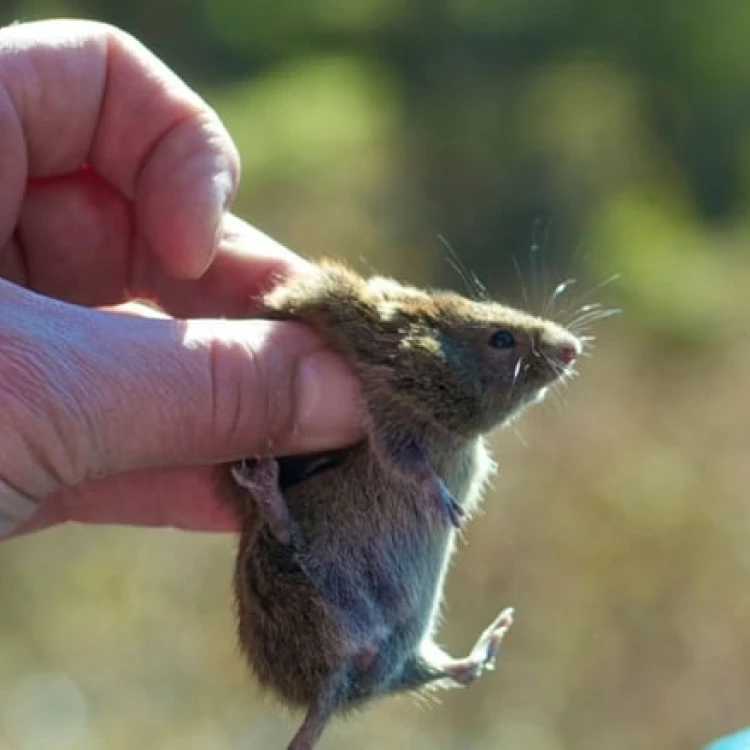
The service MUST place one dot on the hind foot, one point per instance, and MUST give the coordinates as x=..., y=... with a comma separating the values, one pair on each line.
x=431, y=665
x=260, y=477
x=483, y=655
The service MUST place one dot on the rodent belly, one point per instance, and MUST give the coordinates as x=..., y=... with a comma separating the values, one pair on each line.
x=355, y=591
x=291, y=641
x=303, y=624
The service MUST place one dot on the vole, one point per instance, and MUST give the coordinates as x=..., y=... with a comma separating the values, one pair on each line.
x=342, y=557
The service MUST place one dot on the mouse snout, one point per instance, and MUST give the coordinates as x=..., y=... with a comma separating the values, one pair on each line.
x=564, y=349
x=568, y=354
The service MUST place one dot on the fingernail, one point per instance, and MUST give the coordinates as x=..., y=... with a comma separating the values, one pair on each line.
x=223, y=194
x=225, y=183
x=328, y=406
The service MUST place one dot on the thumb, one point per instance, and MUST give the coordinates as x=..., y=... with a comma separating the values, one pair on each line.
x=102, y=392
x=207, y=391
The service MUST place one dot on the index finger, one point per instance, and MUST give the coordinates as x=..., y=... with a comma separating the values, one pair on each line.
x=75, y=93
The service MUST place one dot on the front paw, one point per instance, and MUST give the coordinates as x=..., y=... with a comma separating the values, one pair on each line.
x=410, y=459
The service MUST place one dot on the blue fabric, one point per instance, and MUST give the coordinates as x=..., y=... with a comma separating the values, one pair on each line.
x=738, y=741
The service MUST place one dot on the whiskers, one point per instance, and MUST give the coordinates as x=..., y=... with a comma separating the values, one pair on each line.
x=538, y=273
x=574, y=308
x=575, y=312
x=519, y=368
x=557, y=292
x=580, y=315
x=564, y=374
x=589, y=314
x=476, y=289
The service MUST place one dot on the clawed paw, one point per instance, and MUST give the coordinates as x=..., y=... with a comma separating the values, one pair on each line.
x=486, y=648
x=256, y=474
x=260, y=477
x=448, y=506
x=411, y=459
x=483, y=655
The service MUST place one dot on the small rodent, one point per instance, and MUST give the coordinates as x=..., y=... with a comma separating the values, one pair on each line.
x=342, y=556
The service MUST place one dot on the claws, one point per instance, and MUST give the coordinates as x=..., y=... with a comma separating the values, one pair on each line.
x=484, y=654
x=260, y=477
x=411, y=459
x=487, y=646
x=451, y=509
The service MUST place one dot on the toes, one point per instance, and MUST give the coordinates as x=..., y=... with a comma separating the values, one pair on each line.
x=242, y=476
x=255, y=474
x=465, y=674
x=266, y=472
x=503, y=621
x=452, y=510
x=488, y=645
x=455, y=515
x=260, y=478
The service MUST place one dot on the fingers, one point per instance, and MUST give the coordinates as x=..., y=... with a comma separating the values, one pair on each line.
x=248, y=263
x=108, y=393
x=114, y=183
x=73, y=243
x=165, y=149
x=75, y=92
x=91, y=393
x=209, y=391
x=73, y=240
x=188, y=498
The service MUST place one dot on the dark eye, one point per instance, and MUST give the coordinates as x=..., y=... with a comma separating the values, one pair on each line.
x=502, y=340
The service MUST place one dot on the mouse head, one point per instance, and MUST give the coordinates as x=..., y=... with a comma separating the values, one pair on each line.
x=434, y=357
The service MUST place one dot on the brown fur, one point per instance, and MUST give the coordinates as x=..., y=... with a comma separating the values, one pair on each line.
x=342, y=557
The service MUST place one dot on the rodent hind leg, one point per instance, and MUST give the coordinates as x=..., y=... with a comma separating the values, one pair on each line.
x=410, y=458
x=260, y=477
x=432, y=664
x=320, y=713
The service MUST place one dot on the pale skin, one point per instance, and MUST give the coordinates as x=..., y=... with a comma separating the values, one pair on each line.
x=115, y=183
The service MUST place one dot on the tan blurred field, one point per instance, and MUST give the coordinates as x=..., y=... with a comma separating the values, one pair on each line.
x=619, y=523
x=617, y=526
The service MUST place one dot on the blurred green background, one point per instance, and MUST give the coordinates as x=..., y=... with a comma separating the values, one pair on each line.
x=578, y=137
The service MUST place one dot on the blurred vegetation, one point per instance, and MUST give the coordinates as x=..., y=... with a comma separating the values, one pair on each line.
x=567, y=137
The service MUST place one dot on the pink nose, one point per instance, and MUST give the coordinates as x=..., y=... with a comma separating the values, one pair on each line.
x=567, y=354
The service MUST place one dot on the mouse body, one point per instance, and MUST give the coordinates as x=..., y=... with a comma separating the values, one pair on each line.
x=343, y=555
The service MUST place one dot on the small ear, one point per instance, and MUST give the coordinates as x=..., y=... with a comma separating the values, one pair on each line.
x=328, y=285
x=331, y=299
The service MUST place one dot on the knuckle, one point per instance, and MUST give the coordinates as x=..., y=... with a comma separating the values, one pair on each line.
x=40, y=434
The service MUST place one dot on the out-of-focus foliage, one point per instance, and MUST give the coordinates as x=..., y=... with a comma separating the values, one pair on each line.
x=581, y=138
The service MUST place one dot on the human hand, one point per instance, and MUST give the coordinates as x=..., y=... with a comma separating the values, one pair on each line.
x=115, y=179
